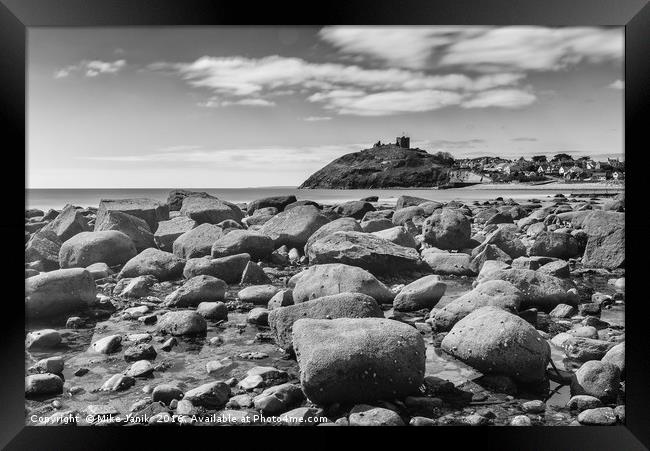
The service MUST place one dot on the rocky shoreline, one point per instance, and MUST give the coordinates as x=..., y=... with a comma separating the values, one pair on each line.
x=199, y=311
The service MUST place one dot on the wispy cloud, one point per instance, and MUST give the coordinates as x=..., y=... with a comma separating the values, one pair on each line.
x=343, y=89
x=317, y=118
x=480, y=48
x=91, y=68
x=617, y=84
x=524, y=139
x=505, y=98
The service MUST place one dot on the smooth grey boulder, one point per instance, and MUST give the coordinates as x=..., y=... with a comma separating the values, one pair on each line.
x=37, y=385
x=365, y=251
x=358, y=359
x=258, y=294
x=323, y=280
x=489, y=252
x=197, y=242
x=355, y=209
x=337, y=225
x=375, y=225
x=135, y=228
x=215, y=311
x=447, y=263
x=407, y=214
x=598, y=379
x=554, y=244
x=212, y=395
x=539, y=289
x=397, y=235
x=254, y=274
x=151, y=211
x=184, y=322
x=423, y=293
x=85, y=248
x=343, y=305
x=57, y=292
x=228, y=269
x=168, y=231
x=210, y=210
x=616, y=356
x=294, y=227
x=196, y=290
x=160, y=264
x=498, y=293
x=42, y=339
x=364, y=415
x=278, y=202
x=255, y=244
x=506, y=240
x=447, y=229
x=495, y=341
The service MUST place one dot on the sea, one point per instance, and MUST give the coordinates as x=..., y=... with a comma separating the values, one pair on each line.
x=57, y=198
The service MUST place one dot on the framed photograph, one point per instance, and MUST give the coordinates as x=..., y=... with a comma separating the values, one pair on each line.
x=366, y=214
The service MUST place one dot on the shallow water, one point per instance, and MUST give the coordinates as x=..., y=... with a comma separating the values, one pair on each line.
x=58, y=198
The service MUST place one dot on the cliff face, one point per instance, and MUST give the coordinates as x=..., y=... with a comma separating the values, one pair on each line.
x=387, y=166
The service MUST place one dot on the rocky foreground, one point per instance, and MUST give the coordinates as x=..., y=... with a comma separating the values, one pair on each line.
x=199, y=311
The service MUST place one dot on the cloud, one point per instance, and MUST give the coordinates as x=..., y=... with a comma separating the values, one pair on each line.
x=504, y=98
x=344, y=89
x=214, y=102
x=617, y=84
x=520, y=48
x=524, y=139
x=91, y=68
x=317, y=118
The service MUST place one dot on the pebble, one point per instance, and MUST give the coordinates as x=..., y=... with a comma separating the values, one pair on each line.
x=601, y=416
x=535, y=406
x=520, y=420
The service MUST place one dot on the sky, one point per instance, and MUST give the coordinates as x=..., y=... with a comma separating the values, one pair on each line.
x=235, y=107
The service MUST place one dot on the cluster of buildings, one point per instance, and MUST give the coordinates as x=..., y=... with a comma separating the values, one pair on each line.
x=584, y=169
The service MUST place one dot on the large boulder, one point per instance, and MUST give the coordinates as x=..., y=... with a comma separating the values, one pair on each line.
x=343, y=305
x=160, y=264
x=489, y=252
x=397, y=235
x=423, y=293
x=598, y=379
x=168, y=231
x=210, y=210
x=255, y=244
x=175, y=198
x=135, y=228
x=363, y=250
x=495, y=341
x=554, y=244
x=184, y=322
x=349, y=360
x=43, y=246
x=325, y=280
x=294, y=227
x=498, y=293
x=67, y=224
x=197, y=242
x=616, y=356
x=57, y=292
x=506, y=240
x=279, y=202
x=406, y=214
x=151, y=211
x=338, y=225
x=196, y=290
x=355, y=209
x=606, y=243
x=447, y=229
x=410, y=201
x=228, y=269
x=539, y=289
x=85, y=248
x=446, y=263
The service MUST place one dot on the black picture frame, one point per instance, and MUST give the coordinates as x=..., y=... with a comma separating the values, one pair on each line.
x=18, y=15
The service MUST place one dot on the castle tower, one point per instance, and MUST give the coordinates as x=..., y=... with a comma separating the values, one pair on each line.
x=403, y=142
